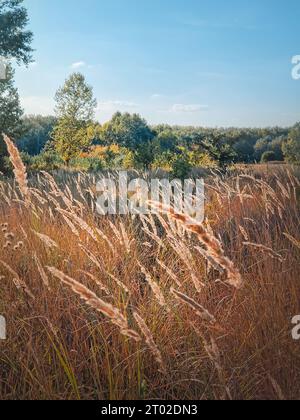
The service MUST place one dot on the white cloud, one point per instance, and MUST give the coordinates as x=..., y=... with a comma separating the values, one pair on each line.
x=78, y=65
x=157, y=96
x=116, y=105
x=188, y=108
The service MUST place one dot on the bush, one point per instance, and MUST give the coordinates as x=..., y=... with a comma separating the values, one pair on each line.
x=181, y=167
x=47, y=161
x=268, y=157
x=88, y=164
x=291, y=148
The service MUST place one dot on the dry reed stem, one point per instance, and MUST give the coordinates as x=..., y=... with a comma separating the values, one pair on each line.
x=19, y=283
x=293, y=240
x=150, y=341
x=41, y=270
x=212, y=244
x=155, y=287
x=92, y=300
x=277, y=388
x=197, y=308
x=50, y=243
x=265, y=249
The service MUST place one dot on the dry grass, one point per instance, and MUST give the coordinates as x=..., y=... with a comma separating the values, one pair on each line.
x=157, y=307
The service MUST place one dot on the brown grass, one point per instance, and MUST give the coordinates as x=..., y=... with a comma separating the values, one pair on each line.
x=79, y=296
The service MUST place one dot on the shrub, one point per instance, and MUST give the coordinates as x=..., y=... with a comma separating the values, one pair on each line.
x=181, y=167
x=268, y=157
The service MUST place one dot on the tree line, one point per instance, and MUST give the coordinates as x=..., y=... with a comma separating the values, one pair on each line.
x=73, y=137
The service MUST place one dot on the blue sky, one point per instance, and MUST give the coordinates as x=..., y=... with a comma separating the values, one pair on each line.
x=189, y=62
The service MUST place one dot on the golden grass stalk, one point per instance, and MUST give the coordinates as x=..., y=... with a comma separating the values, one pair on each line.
x=96, y=281
x=265, y=249
x=197, y=308
x=91, y=256
x=215, y=356
x=244, y=233
x=169, y=272
x=277, y=388
x=212, y=244
x=293, y=240
x=19, y=283
x=19, y=167
x=71, y=226
x=150, y=341
x=96, y=303
x=50, y=243
x=154, y=287
x=80, y=222
x=119, y=283
x=41, y=270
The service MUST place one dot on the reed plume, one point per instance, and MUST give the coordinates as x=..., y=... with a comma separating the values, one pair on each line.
x=197, y=308
x=92, y=300
x=19, y=167
x=150, y=341
x=212, y=244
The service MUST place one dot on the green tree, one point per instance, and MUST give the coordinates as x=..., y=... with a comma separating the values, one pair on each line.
x=75, y=100
x=37, y=130
x=219, y=149
x=166, y=141
x=181, y=166
x=75, y=109
x=291, y=148
x=72, y=137
x=10, y=112
x=132, y=132
x=15, y=40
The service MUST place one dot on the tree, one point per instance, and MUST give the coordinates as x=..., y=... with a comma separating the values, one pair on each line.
x=291, y=149
x=219, y=150
x=166, y=141
x=181, y=166
x=75, y=107
x=132, y=132
x=15, y=40
x=127, y=130
x=10, y=112
x=37, y=130
x=72, y=137
x=75, y=100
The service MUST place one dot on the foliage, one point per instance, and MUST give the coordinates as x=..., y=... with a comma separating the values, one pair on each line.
x=71, y=137
x=46, y=161
x=219, y=150
x=74, y=100
x=15, y=40
x=268, y=156
x=291, y=148
x=87, y=164
x=10, y=112
x=75, y=105
x=181, y=166
x=37, y=132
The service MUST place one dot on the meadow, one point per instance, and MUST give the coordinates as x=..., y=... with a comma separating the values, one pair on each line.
x=152, y=307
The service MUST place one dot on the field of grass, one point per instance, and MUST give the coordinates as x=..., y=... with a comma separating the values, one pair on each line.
x=150, y=307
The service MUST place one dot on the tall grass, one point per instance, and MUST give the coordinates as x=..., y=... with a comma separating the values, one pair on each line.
x=150, y=307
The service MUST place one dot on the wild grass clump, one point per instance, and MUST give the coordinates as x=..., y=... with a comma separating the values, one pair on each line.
x=151, y=307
